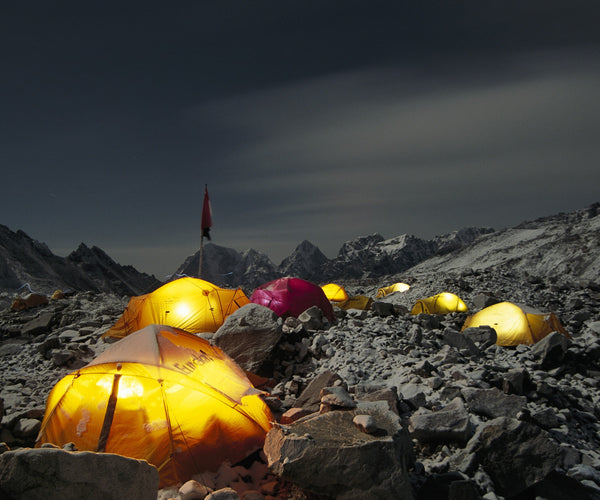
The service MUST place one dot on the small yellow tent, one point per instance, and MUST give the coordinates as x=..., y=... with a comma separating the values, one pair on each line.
x=356, y=302
x=335, y=293
x=515, y=323
x=396, y=287
x=442, y=303
x=192, y=304
x=162, y=395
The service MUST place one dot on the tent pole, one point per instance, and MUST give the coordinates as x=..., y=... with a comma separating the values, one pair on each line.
x=109, y=415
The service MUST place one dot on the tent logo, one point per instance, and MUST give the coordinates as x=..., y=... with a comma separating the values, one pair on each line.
x=189, y=367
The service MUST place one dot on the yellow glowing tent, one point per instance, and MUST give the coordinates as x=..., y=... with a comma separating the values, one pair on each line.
x=162, y=395
x=515, y=323
x=442, y=303
x=335, y=293
x=356, y=302
x=396, y=287
x=192, y=304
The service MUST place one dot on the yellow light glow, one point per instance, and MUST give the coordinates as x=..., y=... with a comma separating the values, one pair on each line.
x=128, y=387
x=182, y=310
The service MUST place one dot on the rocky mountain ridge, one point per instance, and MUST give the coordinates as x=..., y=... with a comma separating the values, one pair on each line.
x=562, y=243
x=24, y=260
x=364, y=257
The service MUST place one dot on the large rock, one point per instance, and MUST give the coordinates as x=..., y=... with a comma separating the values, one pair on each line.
x=461, y=342
x=483, y=336
x=450, y=424
x=310, y=397
x=515, y=454
x=40, y=325
x=493, y=403
x=249, y=335
x=329, y=455
x=551, y=350
x=55, y=474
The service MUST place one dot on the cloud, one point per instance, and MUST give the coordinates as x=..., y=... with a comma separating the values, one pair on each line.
x=351, y=148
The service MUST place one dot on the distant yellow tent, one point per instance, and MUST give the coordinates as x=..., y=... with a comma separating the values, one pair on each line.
x=335, y=293
x=515, y=323
x=191, y=304
x=161, y=395
x=356, y=302
x=396, y=287
x=442, y=303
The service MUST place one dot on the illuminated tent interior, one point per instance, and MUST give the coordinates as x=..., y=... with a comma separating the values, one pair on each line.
x=191, y=304
x=515, y=323
x=335, y=293
x=442, y=303
x=291, y=297
x=162, y=395
x=396, y=287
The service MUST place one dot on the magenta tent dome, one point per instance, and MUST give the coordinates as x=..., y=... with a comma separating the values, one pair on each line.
x=291, y=297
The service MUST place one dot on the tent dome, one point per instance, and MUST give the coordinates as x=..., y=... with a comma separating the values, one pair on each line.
x=442, y=303
x=291, y=297
x=516, y=323
x=396, y=287
x=191, y=304
x=162, y=395
x=335, y=293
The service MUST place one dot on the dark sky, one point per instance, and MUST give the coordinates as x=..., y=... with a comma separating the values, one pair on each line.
x=315, y=120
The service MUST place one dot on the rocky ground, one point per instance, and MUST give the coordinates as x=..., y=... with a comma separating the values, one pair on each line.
x=467, y=418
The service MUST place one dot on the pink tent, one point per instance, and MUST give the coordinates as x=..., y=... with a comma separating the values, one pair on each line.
x=291, y=297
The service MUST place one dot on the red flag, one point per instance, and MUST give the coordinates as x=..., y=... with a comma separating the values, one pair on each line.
x=206, y=215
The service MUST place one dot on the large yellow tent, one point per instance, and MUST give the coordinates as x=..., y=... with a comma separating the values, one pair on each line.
x=515, y=323
x=442, y=303
x=162, y=395
x=396, y=287
x=335, y=293
x=191, y=304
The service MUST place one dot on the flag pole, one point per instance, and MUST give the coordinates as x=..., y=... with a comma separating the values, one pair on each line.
x=200, y=260
x=206, y=223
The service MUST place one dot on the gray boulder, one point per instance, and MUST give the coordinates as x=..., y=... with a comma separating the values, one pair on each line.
x=551, y=349
x=335, y=398
x=483, y=336
x=483, y=300
x=328, y=454
x=383, y=309
x=450, y=424
x=312, y=318
x=310, y=397
x=249, y=335
x=514, y=381
x=515, y=454
x=40, y=325
x=493, y=403
x=55, y=474
x=461, y=342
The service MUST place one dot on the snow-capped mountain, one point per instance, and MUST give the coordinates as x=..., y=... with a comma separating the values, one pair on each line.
x=564, y=244
x=227, y=267
x=369, y=256
x=373, y=256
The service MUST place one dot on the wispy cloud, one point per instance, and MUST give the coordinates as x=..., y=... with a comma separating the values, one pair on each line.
x=350, y=151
